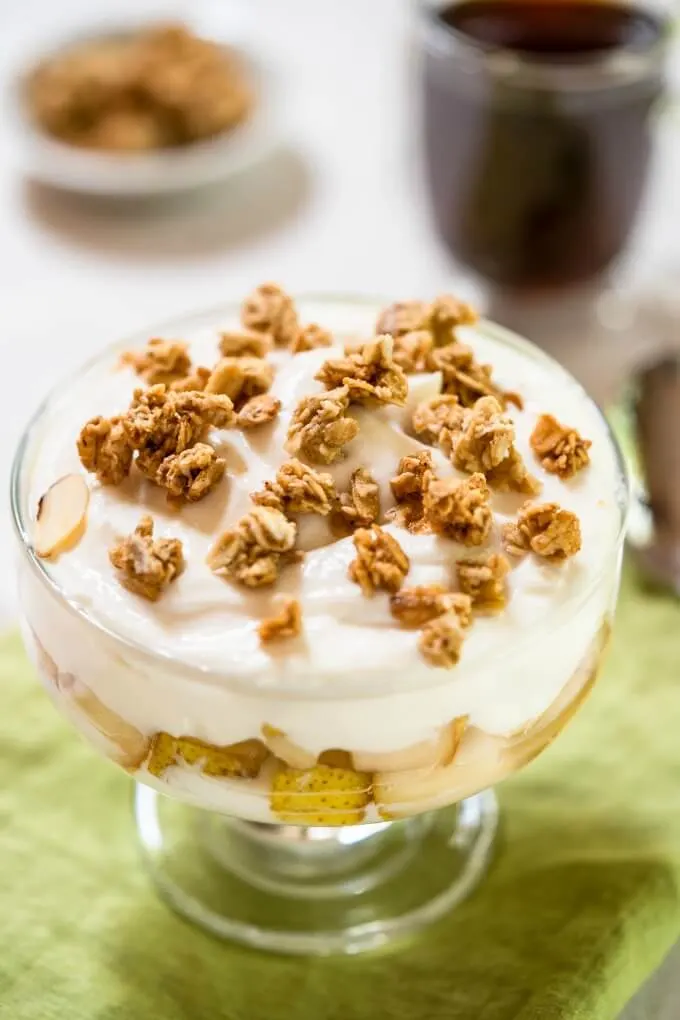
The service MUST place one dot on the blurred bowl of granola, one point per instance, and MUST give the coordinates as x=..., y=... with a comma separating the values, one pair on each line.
x=143, y=107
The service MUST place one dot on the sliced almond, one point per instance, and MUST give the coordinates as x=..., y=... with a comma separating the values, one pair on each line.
x=61, y=516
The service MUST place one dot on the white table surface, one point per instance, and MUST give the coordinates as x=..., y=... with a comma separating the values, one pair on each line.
x=341, y=206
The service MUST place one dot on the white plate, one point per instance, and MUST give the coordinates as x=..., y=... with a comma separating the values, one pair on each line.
x=148, y=173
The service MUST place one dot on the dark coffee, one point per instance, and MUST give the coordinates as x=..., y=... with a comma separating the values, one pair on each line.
x=537, y=162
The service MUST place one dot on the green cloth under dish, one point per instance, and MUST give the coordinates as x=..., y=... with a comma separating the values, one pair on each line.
x=580, y=906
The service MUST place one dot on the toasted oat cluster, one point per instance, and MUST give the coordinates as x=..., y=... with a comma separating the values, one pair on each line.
x=370, y=375
x=146, y=566
x=459, y=509
x=414, y=474
x=287, y=623
x=163, y=431
x=192, y=474
x=560, y=449
x=320, y=427
x=270, y=310
x=380, y=562
x=484, y=580
x=240, y=378
x=245, y=343
x=435, y=414
x=104, y=449
x=162, y=361
x=259, y=410
x=164, y=435
x=157, y=88
x=253, y=552
x=441, y=640
x=545, y=529
x=414, y=607
x=310, y=337
x=298, y=489
x=360, y=506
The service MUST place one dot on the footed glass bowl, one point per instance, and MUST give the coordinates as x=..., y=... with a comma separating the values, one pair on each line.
x=338, y=845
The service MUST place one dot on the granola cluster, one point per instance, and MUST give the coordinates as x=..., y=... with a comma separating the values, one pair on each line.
x=320, y=427
x=146, y=566
x=298, y=489
x=560, y=449
x=163, y=433
x=240, y=378
x=162, y=361
x=254, y=551
x=360, y=506
x=380, y=562
x=153, y=89
x=459, y=509
x=272, y=313
x=414, y=474
x=370, y=374
x=287, y=623
x=484, y=581
x=443, y=617
x=545, y=529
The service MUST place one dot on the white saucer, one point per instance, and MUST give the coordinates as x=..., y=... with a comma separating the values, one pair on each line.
x=55, y=163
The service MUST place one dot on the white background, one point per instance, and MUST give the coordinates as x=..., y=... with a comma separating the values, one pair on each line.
x=340, y=206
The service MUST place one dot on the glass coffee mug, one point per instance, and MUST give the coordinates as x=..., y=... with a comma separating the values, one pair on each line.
x=538, y=123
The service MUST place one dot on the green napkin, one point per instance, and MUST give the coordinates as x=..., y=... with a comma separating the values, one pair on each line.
x=582, y=902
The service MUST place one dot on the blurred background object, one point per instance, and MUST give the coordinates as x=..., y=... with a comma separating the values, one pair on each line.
x=538, y=131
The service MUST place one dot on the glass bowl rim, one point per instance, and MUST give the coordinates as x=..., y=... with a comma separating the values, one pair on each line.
x=287, y=688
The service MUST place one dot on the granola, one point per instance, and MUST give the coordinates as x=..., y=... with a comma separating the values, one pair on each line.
x=253, y=552
x=161, y=361
x=298, y=489
x=439, y=318
x=162, y=422
x=104, y=449
x=245, y=343
x=156, y=88
x=270, y=310
x=319, y=428
x=512, y=475
x=360, y=507
x=370, y=374
x=545, y=529
x=414, y=474
x=412, y=351
x=414, y=607
x=465, y=378
x=287, y=623
x=481, y=438
x=192, y=474
x=308, y=338
x=403, y=317
x=240, y=378
x=441, y=640
x=380, y=562
x=259, y=410
x=146, y=566
x=195, y=380
x=484, y=581
x=459, y=509
x=446, y=314
x=560, y=449
x=435, y=414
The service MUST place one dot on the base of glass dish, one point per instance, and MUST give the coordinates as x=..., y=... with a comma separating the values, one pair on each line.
x=314, y=891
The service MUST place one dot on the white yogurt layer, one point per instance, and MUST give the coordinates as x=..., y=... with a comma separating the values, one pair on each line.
x=354, y=679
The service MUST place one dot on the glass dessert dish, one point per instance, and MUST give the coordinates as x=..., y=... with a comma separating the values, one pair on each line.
x=313, y=764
